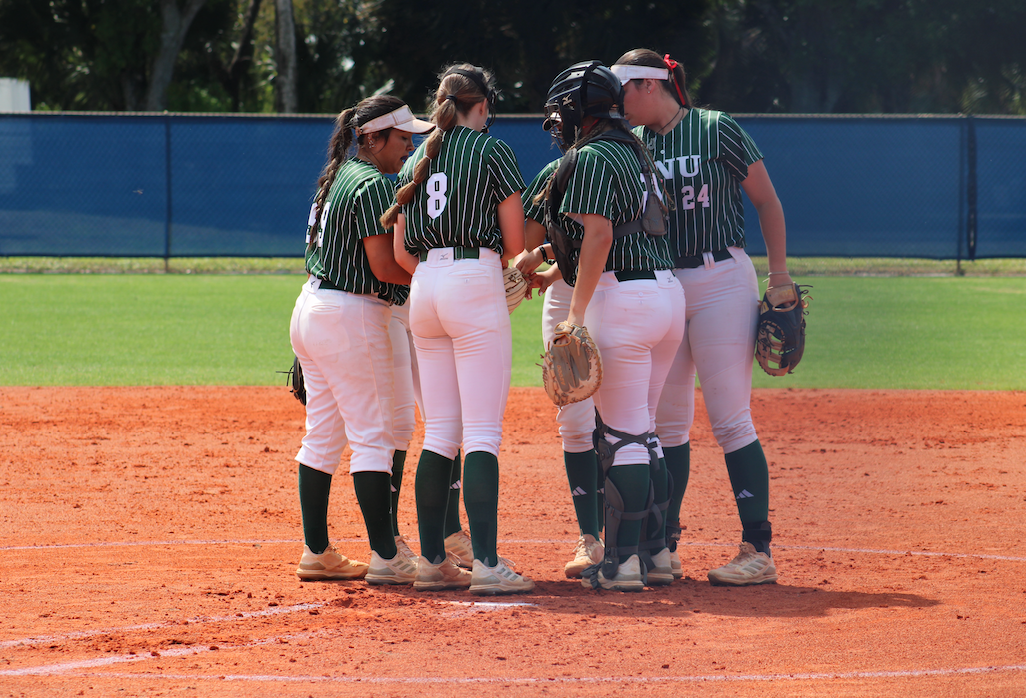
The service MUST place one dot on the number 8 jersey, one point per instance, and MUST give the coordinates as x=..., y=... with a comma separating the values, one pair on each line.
x=456, y=206
x=703, y=161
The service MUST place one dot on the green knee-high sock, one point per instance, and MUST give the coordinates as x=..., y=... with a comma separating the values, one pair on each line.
x=432, y=488
x=749, y=478
x=582, y=474
x=678, y=465
x=373, y=492
x=452, y=510
x=481, y=497
x=633, y=483
x=314, y=490
x=398, y=465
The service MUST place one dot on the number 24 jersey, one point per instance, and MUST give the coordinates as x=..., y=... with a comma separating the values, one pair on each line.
x=703, y=161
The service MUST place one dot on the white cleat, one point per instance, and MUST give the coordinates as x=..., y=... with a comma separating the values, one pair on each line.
x=748, y=568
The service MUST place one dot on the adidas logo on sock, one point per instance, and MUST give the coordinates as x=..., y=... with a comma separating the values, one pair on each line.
x=744, y=494
x=577, y=492
x=459, y=483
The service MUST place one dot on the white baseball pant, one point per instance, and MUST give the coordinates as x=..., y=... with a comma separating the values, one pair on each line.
x=719, y=344
x=638, y=326
x=576, y=421
x=342, y=343
x=464, y=345
x=407, y=390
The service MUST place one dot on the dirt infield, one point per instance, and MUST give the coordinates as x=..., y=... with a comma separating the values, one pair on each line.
x=148, y=538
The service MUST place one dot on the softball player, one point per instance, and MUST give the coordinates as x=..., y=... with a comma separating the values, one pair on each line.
x=339, y=331
x=576, y=421
x=407, y=397
x=706, y=159
x=458, y=216
x=631, y=303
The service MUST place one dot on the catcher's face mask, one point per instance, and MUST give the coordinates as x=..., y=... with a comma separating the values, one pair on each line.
x=554, y=125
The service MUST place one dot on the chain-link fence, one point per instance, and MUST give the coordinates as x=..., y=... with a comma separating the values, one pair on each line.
x=178, y=185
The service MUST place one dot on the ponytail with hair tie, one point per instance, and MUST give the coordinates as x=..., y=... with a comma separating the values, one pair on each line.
x=672, y=65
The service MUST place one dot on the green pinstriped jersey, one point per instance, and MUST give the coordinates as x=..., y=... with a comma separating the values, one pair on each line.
x=703, y=161
x=607, y=181
x=532, y=210
x=356, y=200
x=457, y=205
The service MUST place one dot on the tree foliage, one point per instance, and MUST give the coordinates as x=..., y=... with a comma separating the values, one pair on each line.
x=786, y=56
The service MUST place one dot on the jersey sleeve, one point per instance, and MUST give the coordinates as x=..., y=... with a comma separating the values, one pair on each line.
x=737, y=147
x=504, y=170
x=536, y=211
x=369, y=204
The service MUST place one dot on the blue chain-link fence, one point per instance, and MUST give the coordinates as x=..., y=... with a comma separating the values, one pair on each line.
x=178, y=185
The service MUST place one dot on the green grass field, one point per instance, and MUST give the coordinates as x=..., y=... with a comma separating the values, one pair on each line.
x=912, y=332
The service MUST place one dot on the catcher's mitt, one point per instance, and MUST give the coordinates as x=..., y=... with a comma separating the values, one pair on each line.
x=294, y=379
x=572, y=367
x=516, y=287
x=780, y=337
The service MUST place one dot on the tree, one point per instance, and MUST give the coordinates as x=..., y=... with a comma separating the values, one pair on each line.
x=285, y=83
x=175, y=25
x=526, y=44
x=91, y=54
x=866, y=56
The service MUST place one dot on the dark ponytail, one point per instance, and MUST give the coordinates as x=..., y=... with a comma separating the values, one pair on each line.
x=341, y=144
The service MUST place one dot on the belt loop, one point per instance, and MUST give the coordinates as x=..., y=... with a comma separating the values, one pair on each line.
x=707, y=257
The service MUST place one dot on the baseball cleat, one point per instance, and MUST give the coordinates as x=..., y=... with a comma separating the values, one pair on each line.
x=460, y=547
x=444, y=575
x=628, y=577
x=399, y=570
x=588, y=552
x=489, y=581
x=329, y=565
x=748, y=568
x=405, y=549
x=661, y=573
x=678, y=569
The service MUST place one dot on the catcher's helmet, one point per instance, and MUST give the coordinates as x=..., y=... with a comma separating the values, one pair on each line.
x=583, y=89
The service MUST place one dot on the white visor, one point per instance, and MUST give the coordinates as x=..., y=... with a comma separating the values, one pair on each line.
x=626, y=73
x=402, y=119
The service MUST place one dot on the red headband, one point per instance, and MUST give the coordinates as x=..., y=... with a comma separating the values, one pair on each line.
x=671, y=64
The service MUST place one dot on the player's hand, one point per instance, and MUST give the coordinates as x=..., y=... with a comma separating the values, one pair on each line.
x=541, y=280
x=527, y=261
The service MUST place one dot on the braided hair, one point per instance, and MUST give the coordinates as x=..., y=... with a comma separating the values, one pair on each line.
x=341, y=144
x=456, y=94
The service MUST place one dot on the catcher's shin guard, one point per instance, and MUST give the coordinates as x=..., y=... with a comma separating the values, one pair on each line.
x=614, y=510
x=759, y=534
x=673, y=530
x=614, y=554
x=656, y=530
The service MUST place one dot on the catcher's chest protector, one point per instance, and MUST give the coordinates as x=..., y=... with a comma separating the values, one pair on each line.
x=652, y=219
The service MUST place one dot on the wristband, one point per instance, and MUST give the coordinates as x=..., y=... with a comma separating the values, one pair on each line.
x=544, y=256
